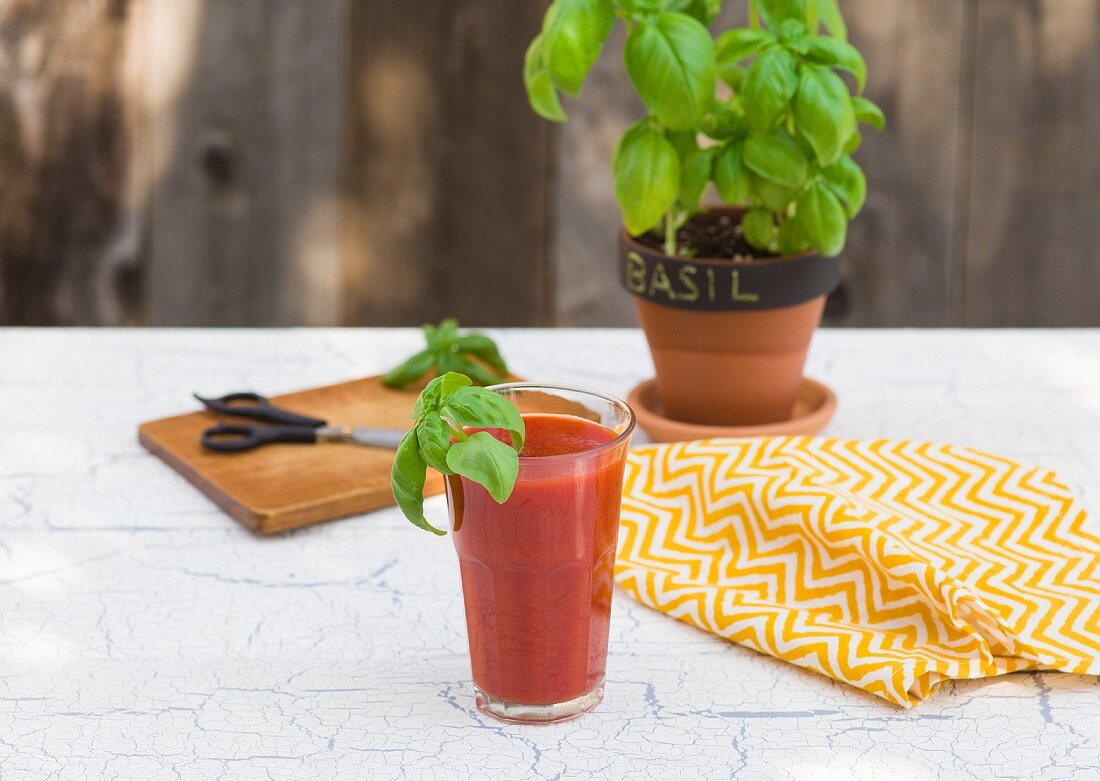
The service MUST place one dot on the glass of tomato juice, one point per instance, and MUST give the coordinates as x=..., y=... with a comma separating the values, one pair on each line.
x=537, y=570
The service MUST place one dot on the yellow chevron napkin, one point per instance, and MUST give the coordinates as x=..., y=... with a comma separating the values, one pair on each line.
x=889, y=565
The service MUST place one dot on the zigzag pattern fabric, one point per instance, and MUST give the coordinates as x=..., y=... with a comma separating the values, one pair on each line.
x=889, y=565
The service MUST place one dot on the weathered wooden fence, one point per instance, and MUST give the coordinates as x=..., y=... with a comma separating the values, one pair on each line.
x=267, y=162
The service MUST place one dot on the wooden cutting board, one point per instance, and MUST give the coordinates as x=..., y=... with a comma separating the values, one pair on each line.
x=279, y=487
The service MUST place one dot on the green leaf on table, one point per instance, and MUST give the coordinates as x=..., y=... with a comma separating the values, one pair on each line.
x=847, y=180
x=777, y=157
x=480, y=374
x=821, y=219
x=759, y=228
x=647, y=177
x=410, y=371
x=450, y=351
x=868, y=113
x=670, y=62
x=407, y=482
x=488, y=462
x=823, y=112
x=440, y=336
x=481, y=346
x=768, y=87
x=541, y=93
x=835, y=53
x=575, y=31
x=731, y=178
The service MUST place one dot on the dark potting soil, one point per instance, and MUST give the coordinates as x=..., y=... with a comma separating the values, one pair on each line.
x=710, y=236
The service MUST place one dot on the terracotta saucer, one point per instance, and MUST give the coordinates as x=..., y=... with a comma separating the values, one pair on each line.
x=813, y=409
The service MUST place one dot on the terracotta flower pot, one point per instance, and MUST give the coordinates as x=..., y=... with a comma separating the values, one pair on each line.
x=729, y=340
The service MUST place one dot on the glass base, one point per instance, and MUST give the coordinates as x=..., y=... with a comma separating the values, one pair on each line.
x=518, y=713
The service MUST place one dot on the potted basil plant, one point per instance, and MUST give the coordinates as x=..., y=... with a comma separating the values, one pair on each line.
x=729, y=296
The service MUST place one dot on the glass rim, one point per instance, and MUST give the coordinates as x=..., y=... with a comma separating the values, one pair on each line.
x=613, y=400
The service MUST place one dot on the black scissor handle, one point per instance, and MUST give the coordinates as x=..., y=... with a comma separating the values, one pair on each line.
x=235, y=438
x=257, y=407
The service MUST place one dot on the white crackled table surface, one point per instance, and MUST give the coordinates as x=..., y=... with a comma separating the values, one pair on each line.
x=144, y=635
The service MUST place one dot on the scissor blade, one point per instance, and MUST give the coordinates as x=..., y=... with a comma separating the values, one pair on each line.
x=378, y=437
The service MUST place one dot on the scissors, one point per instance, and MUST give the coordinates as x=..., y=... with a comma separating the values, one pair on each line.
x=289, y=427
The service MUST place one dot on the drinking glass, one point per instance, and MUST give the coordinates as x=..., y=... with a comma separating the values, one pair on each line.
x=537, y=570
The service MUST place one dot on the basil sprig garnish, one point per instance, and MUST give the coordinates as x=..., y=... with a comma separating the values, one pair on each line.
x=474, y=355
x=446, y=407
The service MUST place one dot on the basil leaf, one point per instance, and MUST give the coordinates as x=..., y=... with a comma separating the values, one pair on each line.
x=778, y=158
x=684, y=142
x=434, y=437
x=853, y=144
x=730, y=176
x=448, y=362
x=775, y=12
x=829, y=12
x=738, y=44
x=823, y=112
x=477, y=407
x=484, y=348
x=868, y=113
x=696, y=174
x=541, y=93
x=792, y=30
x=774, y=196
x=451, y=383
x=407, y=482
x=575, y=32
x=488, y=462
x=480, y=374
x=410, y=371
x=838, y=54
x=769, y=86
x=429, y=398
x=647, y=177
x=445, y=332
x=670, y=62
x=821, y=219
x=725, y=123
x=759, y=227
x=846, y=179
x=703, y=10
x=791, y=240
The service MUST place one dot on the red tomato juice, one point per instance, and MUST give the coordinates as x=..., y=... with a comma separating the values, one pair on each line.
x=537, y=570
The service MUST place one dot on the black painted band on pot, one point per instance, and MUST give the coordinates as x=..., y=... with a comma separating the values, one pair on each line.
x=723, y=285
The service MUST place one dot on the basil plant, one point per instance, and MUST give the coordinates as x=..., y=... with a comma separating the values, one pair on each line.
x=760, y=111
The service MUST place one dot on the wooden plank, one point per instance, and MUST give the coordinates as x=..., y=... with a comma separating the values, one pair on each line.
x=244, y=123
x=900, y=262
x=280, y=487
x=449, y=170
x=69, y=228
x=587, y=218
x=1032, y=240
